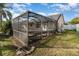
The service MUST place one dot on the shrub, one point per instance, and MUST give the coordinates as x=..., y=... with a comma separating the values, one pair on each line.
x=5, y=27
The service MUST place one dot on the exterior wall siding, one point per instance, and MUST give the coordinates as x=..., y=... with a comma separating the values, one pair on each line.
x=60, y=24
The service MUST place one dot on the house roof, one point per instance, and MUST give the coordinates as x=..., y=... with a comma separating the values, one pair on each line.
x=56, y=16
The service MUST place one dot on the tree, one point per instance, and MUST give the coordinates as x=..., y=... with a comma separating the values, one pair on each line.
x=5, y=14
x=74, y=21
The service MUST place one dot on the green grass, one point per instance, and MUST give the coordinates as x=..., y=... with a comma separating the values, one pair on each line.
x=66, y=43
x=67, y=39
x=6, y=47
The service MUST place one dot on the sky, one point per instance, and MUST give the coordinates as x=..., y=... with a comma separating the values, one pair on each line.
x=69, y=10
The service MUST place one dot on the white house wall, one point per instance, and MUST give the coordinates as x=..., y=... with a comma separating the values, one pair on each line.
x=51, y=26
x=60, y=24
x=60, y=21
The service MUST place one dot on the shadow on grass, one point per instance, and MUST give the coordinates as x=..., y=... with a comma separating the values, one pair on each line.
x=0, y=52
x=8, y=47
x=53, y=39
x=43, y=45
x=3, y=37
x=51, y=42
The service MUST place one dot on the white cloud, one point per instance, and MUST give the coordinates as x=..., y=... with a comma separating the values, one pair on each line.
x=30, y=9
x=72, y=5
x=67, y=5
x=54, y=13
x=76, y=10
x=76, y=15
x=15, y=15
x=19, y=6
x=41, y=13
x=28, y=4
x=45, y=4
x=54, y=5
x=17, y=9
x=61, y=7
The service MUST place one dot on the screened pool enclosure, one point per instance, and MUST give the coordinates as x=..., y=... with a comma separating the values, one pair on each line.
x=30, y=27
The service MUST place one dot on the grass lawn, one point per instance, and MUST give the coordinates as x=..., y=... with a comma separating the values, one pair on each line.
x=66, y=43
x=6, y=47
